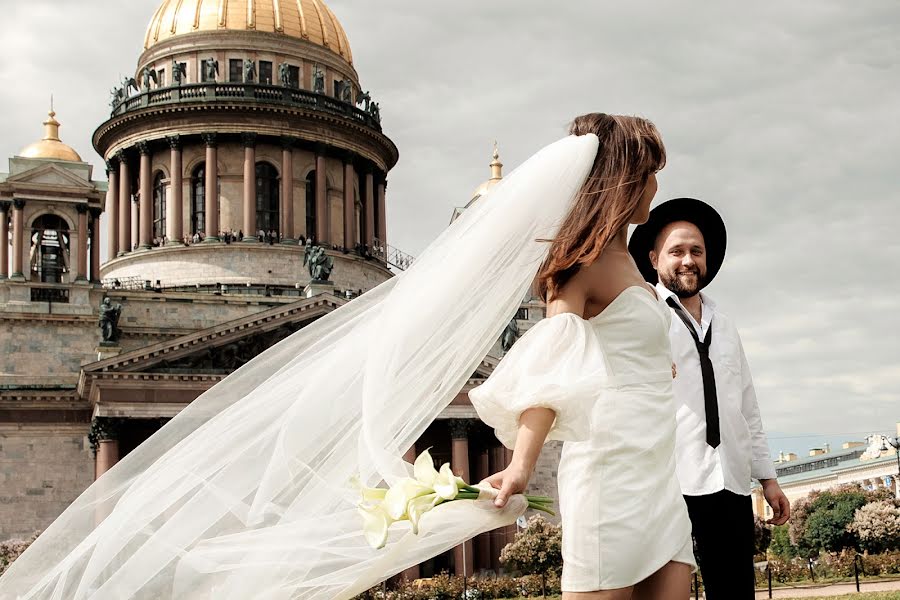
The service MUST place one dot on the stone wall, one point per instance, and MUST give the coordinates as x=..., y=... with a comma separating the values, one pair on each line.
x=43, y=468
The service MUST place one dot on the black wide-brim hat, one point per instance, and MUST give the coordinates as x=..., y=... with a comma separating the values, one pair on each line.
x=701, y=214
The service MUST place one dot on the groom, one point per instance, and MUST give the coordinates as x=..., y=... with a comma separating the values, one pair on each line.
x=720, y=443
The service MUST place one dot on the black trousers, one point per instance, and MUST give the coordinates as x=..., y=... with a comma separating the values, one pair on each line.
x=723, y=531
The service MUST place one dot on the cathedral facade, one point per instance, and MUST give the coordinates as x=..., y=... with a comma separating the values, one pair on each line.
x=244, y=197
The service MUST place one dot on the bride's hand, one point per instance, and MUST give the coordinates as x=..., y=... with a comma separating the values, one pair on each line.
x=511, y=480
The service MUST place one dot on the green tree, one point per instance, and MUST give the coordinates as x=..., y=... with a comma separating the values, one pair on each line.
x=781, y=546
x=830, y=515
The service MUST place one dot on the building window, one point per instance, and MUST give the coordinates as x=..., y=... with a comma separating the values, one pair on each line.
x=522, y=314
x=311, y=205
x=265, y=72
x=159, y=209
x=49, y=248
x=161, y=78
x=295, y=76
x=198, y=199
x=338, y=88
x=235, y=70
x=267, y=198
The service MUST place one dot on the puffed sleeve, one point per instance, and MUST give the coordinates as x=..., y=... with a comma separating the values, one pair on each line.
x=558, y=364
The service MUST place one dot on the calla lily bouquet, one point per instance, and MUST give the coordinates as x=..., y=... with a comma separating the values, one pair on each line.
x=410, y=498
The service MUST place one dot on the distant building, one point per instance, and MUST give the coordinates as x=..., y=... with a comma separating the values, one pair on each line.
x=872, y=465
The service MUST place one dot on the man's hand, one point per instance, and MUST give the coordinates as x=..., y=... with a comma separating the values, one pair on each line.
x=781, y=508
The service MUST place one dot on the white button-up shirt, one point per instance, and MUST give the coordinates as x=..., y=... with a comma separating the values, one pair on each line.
x=743, y=453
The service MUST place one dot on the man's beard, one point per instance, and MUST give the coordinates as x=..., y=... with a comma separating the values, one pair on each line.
x=682, y=286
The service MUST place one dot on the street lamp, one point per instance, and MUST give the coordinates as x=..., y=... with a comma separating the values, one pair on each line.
x=895, y=444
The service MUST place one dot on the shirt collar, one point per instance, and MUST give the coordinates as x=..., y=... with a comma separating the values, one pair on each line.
x=665, y=293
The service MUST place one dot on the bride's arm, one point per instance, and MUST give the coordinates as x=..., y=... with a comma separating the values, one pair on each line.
x=535, y=423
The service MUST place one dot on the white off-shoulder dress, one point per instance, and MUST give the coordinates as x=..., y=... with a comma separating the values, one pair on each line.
x=609, y=380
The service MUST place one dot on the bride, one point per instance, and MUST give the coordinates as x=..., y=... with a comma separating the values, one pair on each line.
x=247, y=493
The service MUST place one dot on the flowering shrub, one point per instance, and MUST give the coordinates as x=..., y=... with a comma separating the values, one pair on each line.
x=10, y=550
x=536, y=550
x=878, y=526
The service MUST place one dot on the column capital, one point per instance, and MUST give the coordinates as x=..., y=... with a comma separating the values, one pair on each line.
x=111, y=166
x=143, y=148
x=81, y=208
x=249, y=139
x=320, y=149
x=18, y=203
x=4, y=205
x=96, y=212
x=174, y=141
x=209, y=139
x=104, y=429
x=136, y=198
x=459, y=428
x=288, y=142
x=122, y=157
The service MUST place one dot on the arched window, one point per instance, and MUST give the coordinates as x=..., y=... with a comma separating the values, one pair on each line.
x=159, y=208
x=49, y=249
x=267, y=198
x=198, y=199
x=311, y=205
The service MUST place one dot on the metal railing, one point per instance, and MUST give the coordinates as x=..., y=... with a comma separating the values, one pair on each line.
x=244, y=93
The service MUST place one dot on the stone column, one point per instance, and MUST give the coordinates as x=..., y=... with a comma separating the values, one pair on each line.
x=287, y=189
x=212, y=189
x=459, y=463
x=175, y=205
x=250, y=228
x=145, y=240
x=112, y=211
x=483, y=541
x=369, y=207
x=95, y=245
x=4, y=239
x=322, y=224
x=135, y=222
x=413, y=572
x=124, y=205
x=498, y=536
x=381, y=217
x=349, y=212
x=18, y=245
x=82, y=258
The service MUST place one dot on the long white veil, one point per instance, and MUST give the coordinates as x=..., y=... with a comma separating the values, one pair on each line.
x=246, y=493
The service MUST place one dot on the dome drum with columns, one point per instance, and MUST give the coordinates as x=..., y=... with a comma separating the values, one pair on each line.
x=242, y=122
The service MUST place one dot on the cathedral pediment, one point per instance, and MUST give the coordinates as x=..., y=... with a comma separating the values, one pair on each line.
x=192, y=363
x=50, y=175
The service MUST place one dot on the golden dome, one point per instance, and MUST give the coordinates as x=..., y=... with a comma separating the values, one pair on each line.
x=305, y=19
x=50, y=146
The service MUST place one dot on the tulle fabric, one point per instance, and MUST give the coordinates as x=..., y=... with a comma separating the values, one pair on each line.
x=247, y=494
x=558, y=364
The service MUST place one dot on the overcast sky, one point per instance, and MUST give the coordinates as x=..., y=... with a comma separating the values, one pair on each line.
x=781, y=114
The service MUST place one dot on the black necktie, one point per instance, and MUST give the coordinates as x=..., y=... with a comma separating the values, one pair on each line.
x=710, y=401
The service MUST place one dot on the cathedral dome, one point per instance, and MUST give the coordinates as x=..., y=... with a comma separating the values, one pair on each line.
x=50, y=146
x=309, y=20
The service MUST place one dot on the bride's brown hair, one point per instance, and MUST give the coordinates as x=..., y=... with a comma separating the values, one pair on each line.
x=630, y=150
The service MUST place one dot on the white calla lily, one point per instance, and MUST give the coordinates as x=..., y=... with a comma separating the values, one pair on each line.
x=368, y=495
x=376, y=523
x=397, y=498
x=447, y=484
x=424, y=469
x=418, y=507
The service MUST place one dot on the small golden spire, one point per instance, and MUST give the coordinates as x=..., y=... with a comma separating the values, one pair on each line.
x=51, y=125
x=496, y=165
